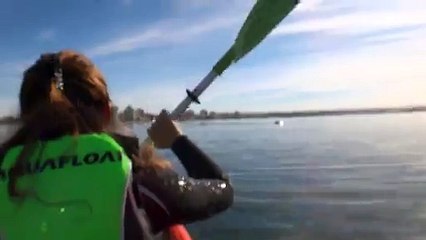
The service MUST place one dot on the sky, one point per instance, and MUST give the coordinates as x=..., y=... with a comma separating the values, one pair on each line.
x=326, y=54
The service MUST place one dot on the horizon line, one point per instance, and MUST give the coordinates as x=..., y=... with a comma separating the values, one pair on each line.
x=335, y=110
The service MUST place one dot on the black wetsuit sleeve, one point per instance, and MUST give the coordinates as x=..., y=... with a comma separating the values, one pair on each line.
x=196, y=162
x=206, y=192
x=186, y=199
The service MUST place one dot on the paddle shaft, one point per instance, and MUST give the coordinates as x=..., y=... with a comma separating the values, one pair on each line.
x=196, y=92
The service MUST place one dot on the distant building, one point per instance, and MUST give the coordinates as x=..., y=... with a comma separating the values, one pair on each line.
x=190, y=113
x=237, y=114
x=139, y=114
x=187, y=115
x=8, y=120
x=212, y=115
x=114, y=110
x=120, y=116
x=204, y=114
x=128, y=114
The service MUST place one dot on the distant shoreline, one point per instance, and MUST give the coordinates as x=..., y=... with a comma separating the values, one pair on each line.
x=340, y=112
x=292, y=114
x=305, y=113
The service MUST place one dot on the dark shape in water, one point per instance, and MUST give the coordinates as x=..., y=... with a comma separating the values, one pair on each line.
x=279, y=122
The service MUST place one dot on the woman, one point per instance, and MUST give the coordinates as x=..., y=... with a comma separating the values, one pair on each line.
x=52, y=171
x=61, y=175
x=170, y=199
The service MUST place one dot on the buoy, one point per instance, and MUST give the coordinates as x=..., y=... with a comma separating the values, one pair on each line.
x=279, y=122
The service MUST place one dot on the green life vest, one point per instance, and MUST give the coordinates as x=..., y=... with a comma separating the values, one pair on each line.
x=77, y=187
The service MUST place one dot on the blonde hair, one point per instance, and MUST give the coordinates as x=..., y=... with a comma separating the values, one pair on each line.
x=149, y=158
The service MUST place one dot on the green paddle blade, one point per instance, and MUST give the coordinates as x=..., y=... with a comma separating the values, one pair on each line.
x=262, y=19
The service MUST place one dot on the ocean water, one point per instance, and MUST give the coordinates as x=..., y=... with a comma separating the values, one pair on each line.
x=342, y=177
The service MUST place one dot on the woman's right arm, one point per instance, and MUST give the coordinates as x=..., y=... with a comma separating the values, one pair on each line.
x=165, y=134
x=205, y=192
x=186, y=199
x=197, y=164
x=173, y=199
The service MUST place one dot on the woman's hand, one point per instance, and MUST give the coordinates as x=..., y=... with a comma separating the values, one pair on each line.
x=163, y=131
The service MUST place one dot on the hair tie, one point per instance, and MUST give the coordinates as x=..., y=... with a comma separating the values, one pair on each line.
x=58, y=76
